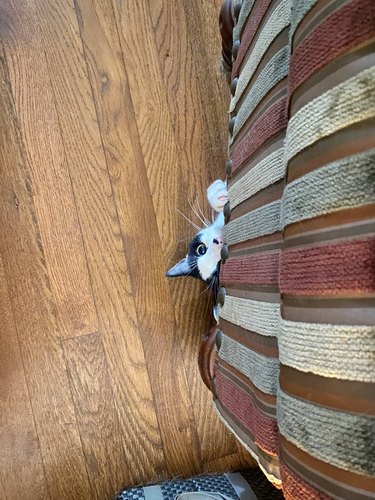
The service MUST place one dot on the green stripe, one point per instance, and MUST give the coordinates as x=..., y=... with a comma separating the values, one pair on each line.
x=345, y=440
x=343, y=184
x=348, y=103
x=263, y=371
x=260, y=222
x=299, y=9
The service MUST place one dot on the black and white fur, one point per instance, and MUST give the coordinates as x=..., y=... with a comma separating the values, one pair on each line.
x=203, y=258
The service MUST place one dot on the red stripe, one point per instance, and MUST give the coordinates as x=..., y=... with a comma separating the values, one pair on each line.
x=329, y=269
x=251, y=28
x=341, y=31
x=240, y=404
x=295, y=487
x=261, y=269
x=271, y=122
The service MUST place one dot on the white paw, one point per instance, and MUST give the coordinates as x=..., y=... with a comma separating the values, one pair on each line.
x=217, y=195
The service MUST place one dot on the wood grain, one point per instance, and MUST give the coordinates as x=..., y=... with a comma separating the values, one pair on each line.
x=34, y=314
x=53, y=198
x=137, y=217
x=178, y=62
x=21, y=467
x=114, y=119
x=103, y=241
x=96, y=414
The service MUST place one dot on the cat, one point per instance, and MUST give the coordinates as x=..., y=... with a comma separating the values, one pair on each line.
x=203, y=258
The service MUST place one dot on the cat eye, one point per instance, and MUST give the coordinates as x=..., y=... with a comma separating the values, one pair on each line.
x=201, y=249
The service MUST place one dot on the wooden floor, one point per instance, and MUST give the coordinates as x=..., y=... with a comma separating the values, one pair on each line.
x=112, y=118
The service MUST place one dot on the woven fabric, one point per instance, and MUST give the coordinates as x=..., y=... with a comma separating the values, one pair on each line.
x=254, y=315
x=169, y=489
x=259, y=222
x=261, y=370
x=279, y=20
x=298, y=318
x=263, y=174
x=251, y=311
x=340, y=351
x=326, y=411
x=271, y=122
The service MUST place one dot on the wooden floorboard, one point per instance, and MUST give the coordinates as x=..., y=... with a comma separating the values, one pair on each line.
x=114, y=120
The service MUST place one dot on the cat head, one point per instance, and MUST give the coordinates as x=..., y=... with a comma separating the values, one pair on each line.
x=203, y=257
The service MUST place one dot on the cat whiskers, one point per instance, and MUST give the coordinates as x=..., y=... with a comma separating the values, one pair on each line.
x=211, y=284
x=198, y=212
x=190, y=221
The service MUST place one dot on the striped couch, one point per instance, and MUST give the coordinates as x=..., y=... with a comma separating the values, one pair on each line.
x=294, y=374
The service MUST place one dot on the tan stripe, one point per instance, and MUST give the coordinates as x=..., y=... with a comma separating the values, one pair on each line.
x=341, y=351
x=259, y=343
x=262, y=198
x=345, y=440
x=260, y=222
x=334, y=393
x=300, y=9
x=263, y=371
x=253, y=315
x=266, y=172
x=309, y=464
x=347, y=142
x=275, y=24
x=346, y=183
x=350, y=102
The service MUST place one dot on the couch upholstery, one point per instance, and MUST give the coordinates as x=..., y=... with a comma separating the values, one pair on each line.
x=295, y=369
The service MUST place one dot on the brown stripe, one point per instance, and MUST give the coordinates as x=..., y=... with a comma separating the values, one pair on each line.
x=267, y=195
x=265, y=459
x=344, y=395
x=243, y=292
x=261, y=244
x=268, y=410
x=258, y=157
x=360, y=311
x=339, y=70
x=346, y=216
x=309, y=466
x=347, y=142
x=262, y=344
x=268, y=400
x=327, y=228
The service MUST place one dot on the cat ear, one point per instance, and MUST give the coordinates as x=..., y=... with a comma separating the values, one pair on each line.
x=182, y=268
